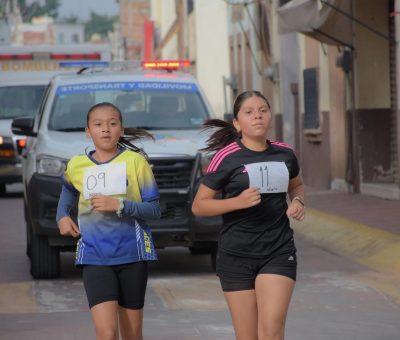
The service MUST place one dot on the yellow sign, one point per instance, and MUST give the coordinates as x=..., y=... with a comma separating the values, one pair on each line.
x=29, y=66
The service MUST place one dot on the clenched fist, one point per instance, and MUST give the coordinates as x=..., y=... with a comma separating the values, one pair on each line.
x=249, y=198
x=68, y=227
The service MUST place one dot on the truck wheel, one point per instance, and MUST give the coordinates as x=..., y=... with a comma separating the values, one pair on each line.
x=28, y=232
x=45, y=260
x=28, y=239
x=2, y=190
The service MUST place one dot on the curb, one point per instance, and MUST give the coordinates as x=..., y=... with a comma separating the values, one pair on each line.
x=375, y=248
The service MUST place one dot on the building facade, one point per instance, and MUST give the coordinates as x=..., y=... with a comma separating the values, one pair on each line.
x=132, y=16
x=329, y=69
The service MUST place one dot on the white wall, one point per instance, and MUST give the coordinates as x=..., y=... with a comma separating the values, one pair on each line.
x=212, y=51
x=163, y=14
x=69, y=33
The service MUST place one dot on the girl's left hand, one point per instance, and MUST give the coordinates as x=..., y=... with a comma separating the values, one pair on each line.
x=296, y=210
x=104, y=203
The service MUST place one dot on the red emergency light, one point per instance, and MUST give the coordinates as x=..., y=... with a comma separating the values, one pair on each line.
x=75, y=56
x=54, y=56
x=16, y=56
x=168, y=65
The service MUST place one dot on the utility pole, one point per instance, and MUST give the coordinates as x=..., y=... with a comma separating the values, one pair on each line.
x=179, y=9
x=354, y=116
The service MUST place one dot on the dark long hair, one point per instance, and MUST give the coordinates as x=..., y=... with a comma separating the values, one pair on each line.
x=225, y=131
x=130, y=134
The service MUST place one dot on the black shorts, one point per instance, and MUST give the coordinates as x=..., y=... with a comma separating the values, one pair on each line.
x=125, y=283
x=239, y=273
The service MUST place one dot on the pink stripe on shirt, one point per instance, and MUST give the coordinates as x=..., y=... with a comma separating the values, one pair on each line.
x=221, y=154
x=285, y=145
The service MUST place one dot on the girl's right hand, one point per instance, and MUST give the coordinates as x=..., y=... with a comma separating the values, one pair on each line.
x=249, y=198
x=68, y=227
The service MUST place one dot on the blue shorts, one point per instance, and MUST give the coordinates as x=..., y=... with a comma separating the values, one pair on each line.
x=125, y=283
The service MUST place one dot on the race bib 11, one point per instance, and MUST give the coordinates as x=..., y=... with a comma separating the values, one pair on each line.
x=269, y=177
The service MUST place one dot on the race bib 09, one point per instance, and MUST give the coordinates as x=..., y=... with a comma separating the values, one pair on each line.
x=269, y=177
x=104, y=179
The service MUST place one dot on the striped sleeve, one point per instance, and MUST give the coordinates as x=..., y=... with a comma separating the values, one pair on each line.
x=217, y=172
x=220, y=155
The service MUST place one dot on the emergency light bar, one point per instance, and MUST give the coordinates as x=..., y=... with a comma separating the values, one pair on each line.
x=53, y=56
x=165, y=64
x=75, y=56
x=16, y=57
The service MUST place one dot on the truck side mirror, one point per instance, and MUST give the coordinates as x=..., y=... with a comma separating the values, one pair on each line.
x=23, y=126
x=228, y=117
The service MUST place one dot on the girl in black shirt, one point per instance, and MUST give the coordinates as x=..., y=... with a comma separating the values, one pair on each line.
x=256, y=260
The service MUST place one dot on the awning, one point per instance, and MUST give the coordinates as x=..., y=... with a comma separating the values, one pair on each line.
x=317, y=19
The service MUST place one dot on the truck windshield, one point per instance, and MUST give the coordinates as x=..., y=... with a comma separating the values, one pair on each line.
x=149, y=109
x=16, y=101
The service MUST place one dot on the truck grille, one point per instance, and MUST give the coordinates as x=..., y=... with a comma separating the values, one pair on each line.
x=172, y=174
x=175, y=211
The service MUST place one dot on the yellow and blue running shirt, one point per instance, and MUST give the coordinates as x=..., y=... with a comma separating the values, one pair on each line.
x=107, y=239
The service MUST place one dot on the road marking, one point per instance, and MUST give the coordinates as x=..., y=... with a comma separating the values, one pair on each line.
x=42, y=297
x=372, y=247
x=387, y=283
x=195, y=293
x=16, y=298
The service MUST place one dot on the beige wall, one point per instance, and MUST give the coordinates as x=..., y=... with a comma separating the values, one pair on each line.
x=275, y=50
x=372, y=55
x=337, y=117
x=164, y=15
x=212, y=61
x=311, y=52
x=206, y=41
x=324, y=78
x=332, y=108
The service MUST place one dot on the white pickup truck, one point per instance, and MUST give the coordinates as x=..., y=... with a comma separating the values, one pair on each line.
x=170, y=105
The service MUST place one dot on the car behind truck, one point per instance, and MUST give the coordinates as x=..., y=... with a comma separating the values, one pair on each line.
x=171, y=105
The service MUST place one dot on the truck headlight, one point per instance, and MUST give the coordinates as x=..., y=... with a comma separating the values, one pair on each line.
x=51, y=166
x=5, y=140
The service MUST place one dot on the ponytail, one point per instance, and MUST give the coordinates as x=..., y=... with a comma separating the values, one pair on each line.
x=131, y=134
x=224, y=135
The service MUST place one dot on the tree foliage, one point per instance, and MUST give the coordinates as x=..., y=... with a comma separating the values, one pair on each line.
x=36, y=8
x=71, y=19
x=100, y=24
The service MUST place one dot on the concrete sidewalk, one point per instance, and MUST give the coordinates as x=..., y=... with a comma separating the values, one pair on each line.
x=363, y=229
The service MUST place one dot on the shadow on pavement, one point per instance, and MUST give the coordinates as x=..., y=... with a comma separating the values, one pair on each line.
x=174, y=261
x=8, y=195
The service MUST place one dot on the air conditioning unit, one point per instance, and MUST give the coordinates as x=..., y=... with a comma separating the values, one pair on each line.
x=344, y=60
x=272, y=72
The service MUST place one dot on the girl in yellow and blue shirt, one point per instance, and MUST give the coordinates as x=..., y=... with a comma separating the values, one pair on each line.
x=117, y=194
